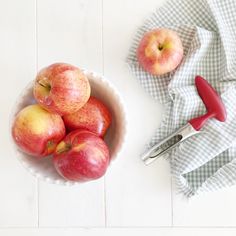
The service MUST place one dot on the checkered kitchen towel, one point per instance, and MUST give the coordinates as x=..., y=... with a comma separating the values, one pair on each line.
x=208, y=31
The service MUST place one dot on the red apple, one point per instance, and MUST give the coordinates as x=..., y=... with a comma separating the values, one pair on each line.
x=160, y=51
x=81, y=156
x=61, y=88
x=37, y=131
x=93, y=116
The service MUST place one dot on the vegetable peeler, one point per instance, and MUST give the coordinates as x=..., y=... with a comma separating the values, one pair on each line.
x=215, y=109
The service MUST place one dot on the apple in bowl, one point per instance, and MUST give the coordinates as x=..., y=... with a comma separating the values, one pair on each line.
x=81, y=156
x=61, y=88
x=93, y=116
x=160, y=51
x=37, y=131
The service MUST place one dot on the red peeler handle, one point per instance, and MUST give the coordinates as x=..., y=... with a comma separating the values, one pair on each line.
x=199, y=122
x=214, y=105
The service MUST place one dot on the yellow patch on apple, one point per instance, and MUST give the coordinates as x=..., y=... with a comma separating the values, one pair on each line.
x=79, y=147
x=34, y=116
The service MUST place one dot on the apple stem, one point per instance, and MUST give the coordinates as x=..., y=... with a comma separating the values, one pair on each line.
x=44, y=85
x=66, y=148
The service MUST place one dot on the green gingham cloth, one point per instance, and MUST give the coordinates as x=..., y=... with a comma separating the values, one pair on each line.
x=204, y=162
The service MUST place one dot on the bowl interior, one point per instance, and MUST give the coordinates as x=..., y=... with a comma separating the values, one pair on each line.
x=100, y=88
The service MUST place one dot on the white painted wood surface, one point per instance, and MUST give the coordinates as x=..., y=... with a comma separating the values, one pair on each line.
x=119, y=231
x=18, y=198
x=96, y=35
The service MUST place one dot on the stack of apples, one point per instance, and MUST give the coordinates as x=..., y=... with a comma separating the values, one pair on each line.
x=66, y=123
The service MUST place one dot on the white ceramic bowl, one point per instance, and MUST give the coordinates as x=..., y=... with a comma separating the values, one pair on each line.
x=115, y=137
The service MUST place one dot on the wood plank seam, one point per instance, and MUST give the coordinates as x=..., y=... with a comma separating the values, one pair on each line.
x=36, y=69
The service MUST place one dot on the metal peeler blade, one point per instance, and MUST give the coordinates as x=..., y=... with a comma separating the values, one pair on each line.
x=160, y=149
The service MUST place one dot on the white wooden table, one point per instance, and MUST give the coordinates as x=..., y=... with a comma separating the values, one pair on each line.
x=131, y=198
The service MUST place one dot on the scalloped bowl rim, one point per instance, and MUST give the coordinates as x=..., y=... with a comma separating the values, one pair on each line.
x=92, y=76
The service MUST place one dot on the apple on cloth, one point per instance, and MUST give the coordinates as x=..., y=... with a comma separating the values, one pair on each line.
x=160, y=51
x=206, y=28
